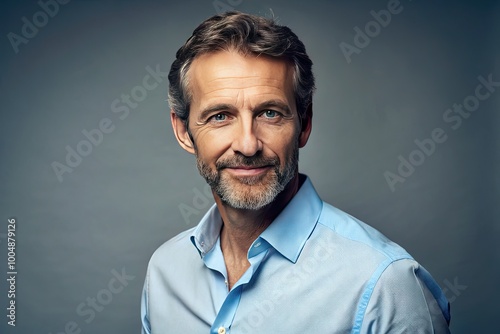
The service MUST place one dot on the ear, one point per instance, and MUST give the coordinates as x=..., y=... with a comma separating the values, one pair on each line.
x=306, y=126
x=181, y=133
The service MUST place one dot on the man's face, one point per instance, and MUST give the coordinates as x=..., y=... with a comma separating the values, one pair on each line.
x=245, y=126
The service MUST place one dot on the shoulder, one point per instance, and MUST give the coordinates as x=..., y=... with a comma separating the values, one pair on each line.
x=394, y=284
x=358, y=235
x=357, y=253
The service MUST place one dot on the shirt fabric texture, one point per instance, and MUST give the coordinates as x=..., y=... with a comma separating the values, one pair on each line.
x=315, y=269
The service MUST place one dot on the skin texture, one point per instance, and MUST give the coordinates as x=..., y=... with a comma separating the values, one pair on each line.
x=246, y=129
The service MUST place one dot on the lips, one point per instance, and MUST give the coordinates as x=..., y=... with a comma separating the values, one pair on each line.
x=247, y=170
x=247, y=167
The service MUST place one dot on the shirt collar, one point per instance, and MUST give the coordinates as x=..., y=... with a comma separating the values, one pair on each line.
x=205, y=235
x=288, y=232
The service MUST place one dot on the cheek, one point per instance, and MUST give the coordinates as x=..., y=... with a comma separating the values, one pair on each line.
x=211, y=146
x=283, y=147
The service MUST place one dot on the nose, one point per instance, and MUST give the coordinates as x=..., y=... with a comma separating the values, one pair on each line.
x=246, y=140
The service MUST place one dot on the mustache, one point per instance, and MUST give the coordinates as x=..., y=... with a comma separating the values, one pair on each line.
x=243, y=161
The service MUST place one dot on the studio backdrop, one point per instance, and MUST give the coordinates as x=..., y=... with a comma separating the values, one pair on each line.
x=406, y=137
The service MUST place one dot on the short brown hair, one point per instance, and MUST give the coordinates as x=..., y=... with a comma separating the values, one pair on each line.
x=246, y=34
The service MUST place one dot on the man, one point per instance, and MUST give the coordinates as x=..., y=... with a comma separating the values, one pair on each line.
x=270, y=256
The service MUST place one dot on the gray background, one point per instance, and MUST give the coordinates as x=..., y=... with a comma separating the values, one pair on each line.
x=122, y=201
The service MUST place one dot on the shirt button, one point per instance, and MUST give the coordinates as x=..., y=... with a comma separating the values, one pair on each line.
x=221, y=330
x=257, y=244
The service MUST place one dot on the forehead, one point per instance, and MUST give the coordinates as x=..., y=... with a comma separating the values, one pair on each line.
x=227, y=74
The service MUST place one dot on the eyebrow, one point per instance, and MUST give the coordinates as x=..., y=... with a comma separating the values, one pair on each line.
x=214, y=108
x=224, y=106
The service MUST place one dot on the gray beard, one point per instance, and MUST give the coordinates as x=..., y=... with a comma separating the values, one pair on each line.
x=250, y=199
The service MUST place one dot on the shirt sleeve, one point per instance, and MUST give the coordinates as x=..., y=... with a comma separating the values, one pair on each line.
x=406, y=299
x=146, y=327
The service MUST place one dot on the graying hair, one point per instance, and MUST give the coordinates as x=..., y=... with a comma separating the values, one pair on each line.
x=246, y=34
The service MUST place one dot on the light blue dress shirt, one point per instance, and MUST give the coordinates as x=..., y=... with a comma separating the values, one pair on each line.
x=315, y=269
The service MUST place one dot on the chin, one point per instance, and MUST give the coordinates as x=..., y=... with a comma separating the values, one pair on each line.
x=251, y=193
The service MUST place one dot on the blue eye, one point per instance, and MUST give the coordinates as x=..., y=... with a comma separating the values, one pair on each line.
x=270, y=114
x=219, y=117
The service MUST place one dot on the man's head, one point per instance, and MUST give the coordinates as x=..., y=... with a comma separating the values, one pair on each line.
x=240, y=92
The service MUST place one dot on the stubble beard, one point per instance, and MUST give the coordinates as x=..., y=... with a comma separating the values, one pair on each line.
x=250, y=192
